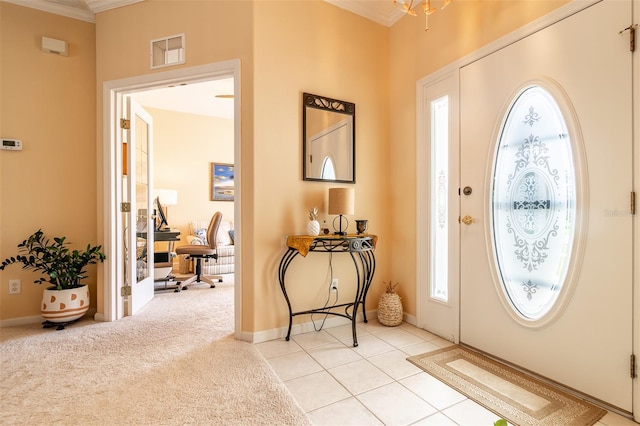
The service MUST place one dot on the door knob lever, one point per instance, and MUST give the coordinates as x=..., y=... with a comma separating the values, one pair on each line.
x=467, y=220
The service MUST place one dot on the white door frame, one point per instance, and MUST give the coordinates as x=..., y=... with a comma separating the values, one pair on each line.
x=635, y=64
x=113, y=91
x=422, y=158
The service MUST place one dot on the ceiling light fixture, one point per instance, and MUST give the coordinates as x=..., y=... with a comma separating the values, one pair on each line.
x=408, y=5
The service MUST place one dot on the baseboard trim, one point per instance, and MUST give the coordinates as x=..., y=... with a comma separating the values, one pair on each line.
x=13, y=322
x=279, y=333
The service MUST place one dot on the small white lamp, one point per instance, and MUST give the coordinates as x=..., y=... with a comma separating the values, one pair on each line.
x=341, y=202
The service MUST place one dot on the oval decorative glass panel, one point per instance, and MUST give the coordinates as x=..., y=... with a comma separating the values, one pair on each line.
x=533, y=205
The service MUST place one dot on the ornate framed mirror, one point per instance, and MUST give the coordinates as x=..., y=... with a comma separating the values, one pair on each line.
x=329, y=139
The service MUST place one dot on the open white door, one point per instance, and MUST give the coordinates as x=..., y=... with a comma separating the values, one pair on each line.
x=140, y=220
x=546, y=239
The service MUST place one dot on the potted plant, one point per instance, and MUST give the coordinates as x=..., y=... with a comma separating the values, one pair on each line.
x=67, y=299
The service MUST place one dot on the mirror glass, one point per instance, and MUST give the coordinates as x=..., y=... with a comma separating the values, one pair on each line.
x=328, y=146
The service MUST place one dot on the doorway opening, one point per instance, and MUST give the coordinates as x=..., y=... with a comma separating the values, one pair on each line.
x=115, y=92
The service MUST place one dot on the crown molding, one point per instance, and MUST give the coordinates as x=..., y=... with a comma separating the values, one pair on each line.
x=85, y=10
x=97, y=6
x=382, y=12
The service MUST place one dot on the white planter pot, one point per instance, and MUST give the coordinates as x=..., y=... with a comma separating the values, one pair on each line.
x=65, y=305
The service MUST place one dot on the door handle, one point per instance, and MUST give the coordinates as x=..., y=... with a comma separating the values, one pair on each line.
x=468, y=220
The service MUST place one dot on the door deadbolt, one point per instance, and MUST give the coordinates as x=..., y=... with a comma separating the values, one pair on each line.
x=467, y=190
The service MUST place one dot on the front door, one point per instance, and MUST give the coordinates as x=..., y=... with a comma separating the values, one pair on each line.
x=141, y=220
x=546, y=233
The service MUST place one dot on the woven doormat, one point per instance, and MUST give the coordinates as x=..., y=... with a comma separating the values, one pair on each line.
x=516, y=397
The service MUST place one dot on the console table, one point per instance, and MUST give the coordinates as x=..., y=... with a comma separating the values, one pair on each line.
x=361, y=249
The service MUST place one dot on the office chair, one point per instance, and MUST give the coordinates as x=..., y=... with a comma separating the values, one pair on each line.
x=200, y=252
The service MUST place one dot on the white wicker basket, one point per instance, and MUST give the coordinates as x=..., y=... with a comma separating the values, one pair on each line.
x=390, y=309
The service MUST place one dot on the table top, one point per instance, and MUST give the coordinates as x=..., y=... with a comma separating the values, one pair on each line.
x=305, y=243
x=164, y=235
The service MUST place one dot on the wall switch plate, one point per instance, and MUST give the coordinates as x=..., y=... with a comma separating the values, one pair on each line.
x=15, y=286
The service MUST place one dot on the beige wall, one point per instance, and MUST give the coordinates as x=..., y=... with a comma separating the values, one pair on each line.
x=294, y=46
x=312, y=46
x=464, y=26
x=342, y=61
x=48, y=102
x=184, y=148
x=215, y=31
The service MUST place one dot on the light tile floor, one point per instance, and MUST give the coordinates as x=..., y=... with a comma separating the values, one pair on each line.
x=373, y=384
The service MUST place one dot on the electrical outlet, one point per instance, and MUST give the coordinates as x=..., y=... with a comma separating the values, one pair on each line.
x=15, y=286
x=334, y=285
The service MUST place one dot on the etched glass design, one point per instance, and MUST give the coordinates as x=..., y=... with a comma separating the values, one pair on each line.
x=533, y=203
x=439, y=287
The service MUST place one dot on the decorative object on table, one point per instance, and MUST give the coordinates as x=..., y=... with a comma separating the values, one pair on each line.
x=313, y=227
x=67, y=300
x=390, y=307
x=222, y=182
x=341, y=202
x=325, y=228
x=361, y=225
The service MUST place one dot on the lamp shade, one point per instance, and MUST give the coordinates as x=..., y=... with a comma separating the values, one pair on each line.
x=341, y=201
x=168, y=197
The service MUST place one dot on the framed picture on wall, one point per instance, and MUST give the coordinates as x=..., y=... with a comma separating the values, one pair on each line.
x=222, y=186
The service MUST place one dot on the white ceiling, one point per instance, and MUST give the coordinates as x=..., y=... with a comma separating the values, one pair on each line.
x=198, y=98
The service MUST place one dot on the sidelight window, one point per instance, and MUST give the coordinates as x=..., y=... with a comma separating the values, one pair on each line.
x=439, y=287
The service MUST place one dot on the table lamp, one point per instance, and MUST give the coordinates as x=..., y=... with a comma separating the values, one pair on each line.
x=341, y=202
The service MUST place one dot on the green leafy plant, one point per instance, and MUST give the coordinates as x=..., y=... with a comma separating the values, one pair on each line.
x=60, y=266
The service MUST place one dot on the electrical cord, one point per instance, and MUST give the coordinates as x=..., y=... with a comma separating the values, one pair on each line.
x=326, y=303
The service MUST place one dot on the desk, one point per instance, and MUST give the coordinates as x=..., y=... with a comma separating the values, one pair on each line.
x=359, y=247
x=163, y=260
x=170, y=236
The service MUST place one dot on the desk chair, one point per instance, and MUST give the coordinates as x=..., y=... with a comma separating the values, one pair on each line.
x=200, y=252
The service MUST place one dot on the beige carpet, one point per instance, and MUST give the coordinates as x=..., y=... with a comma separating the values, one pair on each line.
x=175, y=363
x=516, y=397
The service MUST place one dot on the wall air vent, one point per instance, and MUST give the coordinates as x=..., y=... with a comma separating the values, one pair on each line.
x=167, y=51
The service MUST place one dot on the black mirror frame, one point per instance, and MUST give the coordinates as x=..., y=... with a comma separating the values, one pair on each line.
x=334, y=105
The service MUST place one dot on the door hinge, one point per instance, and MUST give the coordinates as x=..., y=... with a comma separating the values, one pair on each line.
x=125, y=123
x=633, y=202
x=632, y=366
x=632, y=36
x=125, y=207
x=125, y=290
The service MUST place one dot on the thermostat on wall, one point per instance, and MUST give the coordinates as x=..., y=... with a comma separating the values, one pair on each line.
x=12, y=144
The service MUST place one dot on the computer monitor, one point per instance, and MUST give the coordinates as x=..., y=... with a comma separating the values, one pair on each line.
x=162, y=222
